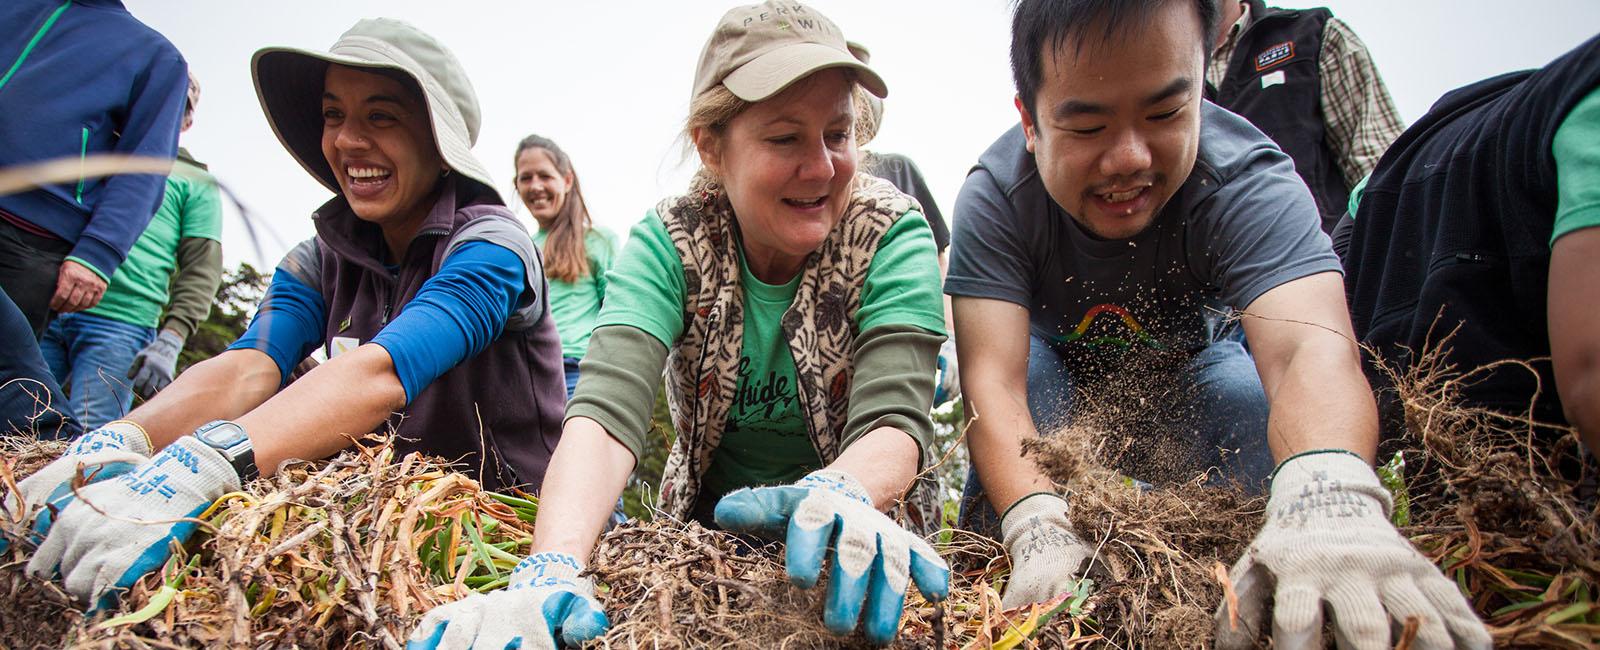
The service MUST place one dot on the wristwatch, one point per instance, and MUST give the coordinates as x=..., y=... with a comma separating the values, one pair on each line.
x=229, y=439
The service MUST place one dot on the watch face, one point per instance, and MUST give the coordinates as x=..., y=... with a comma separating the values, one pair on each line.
x=222, y=435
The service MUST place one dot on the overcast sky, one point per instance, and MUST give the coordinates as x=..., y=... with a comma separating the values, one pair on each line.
x=609, y=81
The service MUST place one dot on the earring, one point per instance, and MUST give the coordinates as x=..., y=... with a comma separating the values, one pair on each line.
x=445, y=173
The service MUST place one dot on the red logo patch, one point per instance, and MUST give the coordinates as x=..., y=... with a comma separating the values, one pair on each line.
x=1275, y=55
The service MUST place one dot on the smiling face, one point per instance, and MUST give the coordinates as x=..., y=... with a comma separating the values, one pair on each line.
x=1115, y=126
x=786, y=164
x=541, y=184
x=376, y=137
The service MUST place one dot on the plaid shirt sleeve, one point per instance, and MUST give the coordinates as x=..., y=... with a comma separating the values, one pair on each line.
x=1359, y=116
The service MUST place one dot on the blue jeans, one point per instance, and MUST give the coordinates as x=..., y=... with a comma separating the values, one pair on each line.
x=30, y=399
x=569, y=366
x=1216, y=422
x=90, y=356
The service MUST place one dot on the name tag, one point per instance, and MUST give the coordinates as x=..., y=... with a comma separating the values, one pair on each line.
x=342, y=344
x=1271, y=79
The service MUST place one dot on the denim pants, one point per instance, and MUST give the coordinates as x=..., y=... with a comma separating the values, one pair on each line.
x=1221, y=428
x=90, y=356
x=30, y=400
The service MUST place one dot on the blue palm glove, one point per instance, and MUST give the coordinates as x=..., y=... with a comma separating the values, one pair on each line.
x=873, y=559
x=99, y=556
x=547, y=583
x=947, y=382
x=108, y=451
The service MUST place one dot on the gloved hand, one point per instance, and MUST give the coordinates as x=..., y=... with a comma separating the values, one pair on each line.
x=1328, y=538
x=154, y=366
x=1046, y=555
x=108, y=451
x=872, y=557
x=547, y=583
x=947, y=386
x=99, y=555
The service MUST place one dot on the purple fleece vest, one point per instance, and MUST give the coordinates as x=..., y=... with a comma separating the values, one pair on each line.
x=498, y=414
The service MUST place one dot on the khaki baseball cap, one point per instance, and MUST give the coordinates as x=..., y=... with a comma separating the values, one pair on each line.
x=759, y=50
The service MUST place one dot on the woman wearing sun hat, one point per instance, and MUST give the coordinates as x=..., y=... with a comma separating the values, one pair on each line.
x=794, y=305
x=422, y=287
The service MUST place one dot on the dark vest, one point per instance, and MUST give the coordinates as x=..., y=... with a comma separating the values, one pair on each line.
x=499, y=410
x=1287, y=43
x=1456, y=223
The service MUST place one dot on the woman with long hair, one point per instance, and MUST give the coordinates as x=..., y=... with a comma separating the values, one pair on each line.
x=577, y=253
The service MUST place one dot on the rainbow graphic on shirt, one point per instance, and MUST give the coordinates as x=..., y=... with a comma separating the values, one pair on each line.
x=1138, y=331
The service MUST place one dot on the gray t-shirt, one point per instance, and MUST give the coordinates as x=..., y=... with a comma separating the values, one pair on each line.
x=1241, y=224
x=904, y=175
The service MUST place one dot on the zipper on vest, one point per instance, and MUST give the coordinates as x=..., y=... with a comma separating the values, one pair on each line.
x=37, y=36
x=388, y=298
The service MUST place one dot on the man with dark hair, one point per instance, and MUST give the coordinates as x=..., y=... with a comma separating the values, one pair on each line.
x=1119, y=224
x=1307, y=81
x=1483, y=216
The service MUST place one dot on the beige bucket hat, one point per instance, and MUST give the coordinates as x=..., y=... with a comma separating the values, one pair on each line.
x=289, y=84
x=759, y=50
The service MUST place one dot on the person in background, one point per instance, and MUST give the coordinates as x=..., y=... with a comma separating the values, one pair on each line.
x=1482, y=221
x=903, y=173
x=793, y=304
x=1305, y=79
x=421, y=285
x=60, y=243
x=577, y=253
x=95, y=353
x=91, y=79
x=1119, y=221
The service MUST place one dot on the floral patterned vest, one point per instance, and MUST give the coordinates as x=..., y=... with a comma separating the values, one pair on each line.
x=819, y=326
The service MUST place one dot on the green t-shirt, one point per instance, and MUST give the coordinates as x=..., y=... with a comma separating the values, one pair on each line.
x=191, y=208
x=765, y=440
x=575, y=305
x=1576, y=149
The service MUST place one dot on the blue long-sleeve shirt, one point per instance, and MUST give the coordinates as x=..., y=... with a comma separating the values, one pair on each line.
x=77, y=78
x=455, y=315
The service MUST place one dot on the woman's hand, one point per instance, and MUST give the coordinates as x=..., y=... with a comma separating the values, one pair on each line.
x=873, y=558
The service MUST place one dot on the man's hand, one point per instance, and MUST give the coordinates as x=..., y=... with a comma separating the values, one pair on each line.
x=545, y=600
x=145, y=510
x=1046, y=555
x=1328, y=539
x=154, y=366
x=77, y=288
x=873, y=558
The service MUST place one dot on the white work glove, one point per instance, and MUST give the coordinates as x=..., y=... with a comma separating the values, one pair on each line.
x=108, y=451
x=154, y=366
x=1046, y=555
x=828, y=513
x=99, y=556
x=544, y=598
x=1328, y=539
x=947, y=383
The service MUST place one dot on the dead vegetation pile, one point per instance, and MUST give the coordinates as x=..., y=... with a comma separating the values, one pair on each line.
x=350, y=553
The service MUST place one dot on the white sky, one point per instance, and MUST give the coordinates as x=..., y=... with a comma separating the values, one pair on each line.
x=609, y=81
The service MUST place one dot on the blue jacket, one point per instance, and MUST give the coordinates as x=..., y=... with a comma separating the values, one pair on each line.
x=83, y=77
